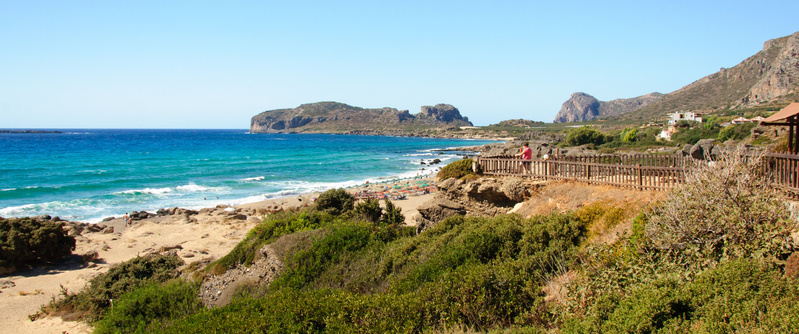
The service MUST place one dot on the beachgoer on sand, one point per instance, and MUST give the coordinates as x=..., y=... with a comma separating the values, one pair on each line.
x=527, y=154
x=126, y=218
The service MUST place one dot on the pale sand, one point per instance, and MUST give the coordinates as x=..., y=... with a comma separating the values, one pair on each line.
x=211, y=237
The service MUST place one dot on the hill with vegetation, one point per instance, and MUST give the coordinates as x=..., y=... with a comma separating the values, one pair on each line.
x=769, y=77
x=334, y=117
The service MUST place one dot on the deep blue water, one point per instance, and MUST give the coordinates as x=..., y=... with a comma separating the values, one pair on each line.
x=86, y=175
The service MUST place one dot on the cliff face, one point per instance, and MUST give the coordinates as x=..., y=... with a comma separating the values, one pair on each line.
x=334, y=117
x=583, y=107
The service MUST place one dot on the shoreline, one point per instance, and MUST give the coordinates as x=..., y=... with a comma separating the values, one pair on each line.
x=210, y=234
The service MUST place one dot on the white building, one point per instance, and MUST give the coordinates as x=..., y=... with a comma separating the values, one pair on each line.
x=684, y=116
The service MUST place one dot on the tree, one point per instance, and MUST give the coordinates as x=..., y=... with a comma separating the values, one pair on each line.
x=584, y=135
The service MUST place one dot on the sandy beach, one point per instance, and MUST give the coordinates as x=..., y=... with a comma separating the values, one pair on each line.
x=211, y=234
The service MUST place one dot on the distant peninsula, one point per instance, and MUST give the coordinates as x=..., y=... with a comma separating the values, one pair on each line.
x=340, y=118
x=29, y=131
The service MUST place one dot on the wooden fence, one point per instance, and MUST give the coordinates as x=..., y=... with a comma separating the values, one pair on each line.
x=783, y=169
x=642, y=171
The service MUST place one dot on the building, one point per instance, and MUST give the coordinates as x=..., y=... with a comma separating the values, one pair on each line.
x=740, y=120
x=684, y=116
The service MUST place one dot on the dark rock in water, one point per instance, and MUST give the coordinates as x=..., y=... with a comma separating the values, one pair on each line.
x=107, y=219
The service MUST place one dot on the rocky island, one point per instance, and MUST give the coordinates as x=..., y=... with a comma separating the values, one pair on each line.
x=334, y=117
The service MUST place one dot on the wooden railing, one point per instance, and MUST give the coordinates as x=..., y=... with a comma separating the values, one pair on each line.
x=783, y=169
x=655, y=172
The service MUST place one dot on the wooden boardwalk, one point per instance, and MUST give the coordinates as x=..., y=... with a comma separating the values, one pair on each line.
x=641, y=171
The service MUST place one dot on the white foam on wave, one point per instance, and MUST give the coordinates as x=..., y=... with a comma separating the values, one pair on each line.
x=147, y=191
x=251, y=179
x=197, y=188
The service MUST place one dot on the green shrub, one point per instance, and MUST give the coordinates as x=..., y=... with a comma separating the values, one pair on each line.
x=306, y=265
x=584, y=135
x=740, y=296
x=141, y=309
x=335, y=201
x=92, y=302
x=368, y=210
x=457, y=169
x=269, y=230
x=393, y=215
x=27, y=241
x=629, y=135
x=736, y=131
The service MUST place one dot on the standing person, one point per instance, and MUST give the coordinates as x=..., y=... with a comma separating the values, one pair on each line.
x=125, y=217
x=527, y=154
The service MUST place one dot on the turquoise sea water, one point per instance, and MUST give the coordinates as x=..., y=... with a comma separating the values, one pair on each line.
x=86, y=175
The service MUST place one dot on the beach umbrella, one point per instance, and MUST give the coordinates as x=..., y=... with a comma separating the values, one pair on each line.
x=424, y=184
x=397, y=186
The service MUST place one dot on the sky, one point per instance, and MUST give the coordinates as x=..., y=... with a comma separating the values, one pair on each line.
x=216, y=64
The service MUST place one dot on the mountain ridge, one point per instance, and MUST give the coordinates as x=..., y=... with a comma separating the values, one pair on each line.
x=584, y=107
x=771, y=76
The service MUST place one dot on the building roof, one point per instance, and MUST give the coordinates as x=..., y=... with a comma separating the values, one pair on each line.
x=789, y=111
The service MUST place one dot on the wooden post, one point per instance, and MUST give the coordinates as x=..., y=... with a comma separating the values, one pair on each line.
x=588, y=173
x=640, y=178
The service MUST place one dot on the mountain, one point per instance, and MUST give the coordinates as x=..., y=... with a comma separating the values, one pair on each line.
x=583, y=107
x=770, y=76
x=334, y=117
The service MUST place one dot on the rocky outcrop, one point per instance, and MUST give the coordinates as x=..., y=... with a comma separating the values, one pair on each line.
x=484, y=197
x=778, y=77
x=334, y=117
x=583, y=107
x=442, y=114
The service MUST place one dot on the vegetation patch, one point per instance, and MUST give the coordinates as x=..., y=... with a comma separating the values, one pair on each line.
x=27, y=241
x=93, y=302
x=457, y=169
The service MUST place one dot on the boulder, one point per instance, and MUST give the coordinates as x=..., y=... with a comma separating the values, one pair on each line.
x=439, y=209
x=89, y=256
x=702, y=149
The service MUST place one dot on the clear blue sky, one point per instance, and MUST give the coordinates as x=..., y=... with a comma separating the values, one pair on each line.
x=202, y=64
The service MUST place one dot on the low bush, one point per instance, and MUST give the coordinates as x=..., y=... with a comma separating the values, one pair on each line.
x=27, y=241
x=393, y=215
x=142, y=309
x=93, y=301
x=457, y=169
x=739, y=296
x=368, y=210
x=273, y=227
x=335, y=201
x=723, y=210
x=584, y=135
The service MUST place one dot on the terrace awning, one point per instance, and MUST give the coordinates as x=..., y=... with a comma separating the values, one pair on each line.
x=788, y=116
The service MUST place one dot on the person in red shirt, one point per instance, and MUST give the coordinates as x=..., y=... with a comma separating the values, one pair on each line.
x=527, y=154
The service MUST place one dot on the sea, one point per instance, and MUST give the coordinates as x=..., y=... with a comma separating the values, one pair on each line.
x=90, y=174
